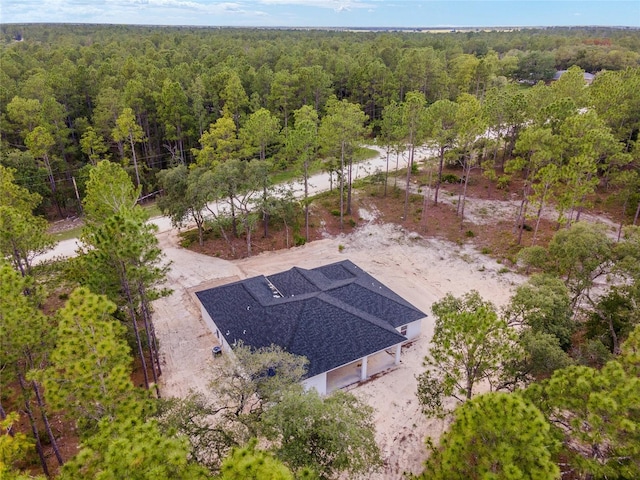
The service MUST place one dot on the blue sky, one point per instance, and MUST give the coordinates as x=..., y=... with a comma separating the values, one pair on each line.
x=327, y=13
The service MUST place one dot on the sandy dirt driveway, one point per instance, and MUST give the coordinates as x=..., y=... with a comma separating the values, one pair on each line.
x=420, y=270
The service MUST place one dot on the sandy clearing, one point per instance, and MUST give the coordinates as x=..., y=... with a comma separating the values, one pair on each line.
x=420, y=270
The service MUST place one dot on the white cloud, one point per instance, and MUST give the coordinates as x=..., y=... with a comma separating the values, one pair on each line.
x=202, y=6
x=337, y=5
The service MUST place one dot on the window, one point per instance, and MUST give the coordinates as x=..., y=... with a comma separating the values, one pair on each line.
x=403, y=330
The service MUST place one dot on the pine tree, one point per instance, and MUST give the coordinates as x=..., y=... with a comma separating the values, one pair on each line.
x=22, y=234
x=471, y=344
x=121, y=257
x=494, y=436
x=133, y=449
x=27, y=337
x=89, y=377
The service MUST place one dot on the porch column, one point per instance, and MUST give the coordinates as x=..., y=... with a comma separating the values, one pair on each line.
x=363, y=372
x=398, y=350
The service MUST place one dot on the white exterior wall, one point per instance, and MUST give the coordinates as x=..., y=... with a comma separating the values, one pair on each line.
x=319, y=382
x=413, y=329
x=214, y=329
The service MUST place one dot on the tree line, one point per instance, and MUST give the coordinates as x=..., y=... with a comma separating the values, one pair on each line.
x=563, y=141
x=145, y=97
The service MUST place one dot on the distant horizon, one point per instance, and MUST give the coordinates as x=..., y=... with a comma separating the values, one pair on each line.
x=328, y=14
x=330, y=27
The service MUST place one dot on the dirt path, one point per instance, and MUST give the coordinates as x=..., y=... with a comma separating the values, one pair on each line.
x=420, y=270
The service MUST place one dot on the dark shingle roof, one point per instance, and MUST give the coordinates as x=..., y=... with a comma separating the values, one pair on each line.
x=332, y=315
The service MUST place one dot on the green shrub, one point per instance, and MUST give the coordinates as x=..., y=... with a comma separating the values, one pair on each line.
x=469, y=234
x=503, y=182
x=450, y=178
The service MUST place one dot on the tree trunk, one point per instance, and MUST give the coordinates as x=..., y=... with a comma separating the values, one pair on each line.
x=17, y=260
x=200, y=233
x=609, y=321
x=234, y=220
x=34, y=427
x=469, y=389
x=47, y=425
x=386, y=175
x=151, y=340
x=286, y=232
x=52, y=185
x=496, y=145
x=580, y=207
x=181, y=145
x=425, y=203
x=3, y=416
x=624, y=211
x=148, y=145
x=462, y=203
x=265, y=213
x=222, y=231
x=519, y=226
x=614, y=338
x=135, y=159
x=247, y=228
x=439, y=180
x=525, y=204
x=199, y=219
x=539, y=216
x=512, y=141
x=408, y=181
x=132, y=313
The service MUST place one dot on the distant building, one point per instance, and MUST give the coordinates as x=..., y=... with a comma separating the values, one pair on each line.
x=345, y=322
x=588, y=77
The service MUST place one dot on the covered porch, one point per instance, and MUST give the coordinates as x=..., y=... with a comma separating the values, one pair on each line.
x=363, y=368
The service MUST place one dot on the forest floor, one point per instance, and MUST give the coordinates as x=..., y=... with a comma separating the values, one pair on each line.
x=421, y=258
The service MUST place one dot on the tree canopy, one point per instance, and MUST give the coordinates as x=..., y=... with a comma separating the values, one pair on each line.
x=471, y=344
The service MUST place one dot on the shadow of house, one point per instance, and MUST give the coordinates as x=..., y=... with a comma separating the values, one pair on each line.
x=338, y=316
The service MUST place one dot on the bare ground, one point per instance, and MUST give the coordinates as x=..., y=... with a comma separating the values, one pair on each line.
x=420, y=270
x=422, y=258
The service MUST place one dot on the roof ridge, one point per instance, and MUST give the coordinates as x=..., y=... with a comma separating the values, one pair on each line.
x=385, y=292
x=372, y=319
x=311, y=275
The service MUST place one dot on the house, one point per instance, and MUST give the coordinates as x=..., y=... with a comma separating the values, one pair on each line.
x=348, y=324
x=588, y=77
